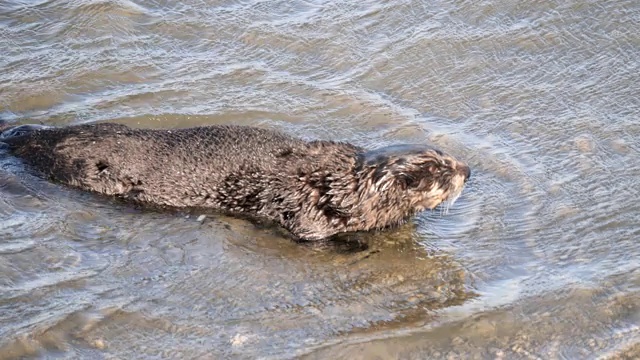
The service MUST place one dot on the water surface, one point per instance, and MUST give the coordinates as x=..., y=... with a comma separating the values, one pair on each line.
x=539, y=258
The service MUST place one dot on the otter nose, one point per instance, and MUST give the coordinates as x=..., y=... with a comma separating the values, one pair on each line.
x=465, y=170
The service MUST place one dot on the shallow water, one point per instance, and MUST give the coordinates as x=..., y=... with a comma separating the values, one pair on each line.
x=539, y=258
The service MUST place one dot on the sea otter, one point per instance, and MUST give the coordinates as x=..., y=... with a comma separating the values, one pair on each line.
x=314, y=189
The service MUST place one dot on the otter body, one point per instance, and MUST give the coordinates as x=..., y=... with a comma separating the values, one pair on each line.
x=313, y=189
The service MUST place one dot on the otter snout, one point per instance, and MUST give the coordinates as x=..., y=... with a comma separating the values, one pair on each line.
x=465, y=170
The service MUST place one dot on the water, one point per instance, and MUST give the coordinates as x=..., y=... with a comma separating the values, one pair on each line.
x=539, y=258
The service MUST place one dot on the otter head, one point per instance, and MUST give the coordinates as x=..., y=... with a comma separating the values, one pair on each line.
x=399, y=181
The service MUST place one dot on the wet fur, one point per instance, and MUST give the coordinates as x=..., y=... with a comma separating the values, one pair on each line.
x=313, y=189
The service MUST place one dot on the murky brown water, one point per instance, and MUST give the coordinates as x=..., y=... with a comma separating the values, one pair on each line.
x=540, y=257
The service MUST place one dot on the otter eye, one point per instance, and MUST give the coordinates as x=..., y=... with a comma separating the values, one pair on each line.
x=435, y=170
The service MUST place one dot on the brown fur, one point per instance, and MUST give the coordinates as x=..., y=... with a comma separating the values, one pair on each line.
x=314, y=189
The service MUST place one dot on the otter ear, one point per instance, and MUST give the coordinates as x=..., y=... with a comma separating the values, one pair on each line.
x=407, y=181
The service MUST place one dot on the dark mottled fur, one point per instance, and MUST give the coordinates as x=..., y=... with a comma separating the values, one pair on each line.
x=314, y=189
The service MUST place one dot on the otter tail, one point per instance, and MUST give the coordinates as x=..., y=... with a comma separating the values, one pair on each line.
x=8, y=130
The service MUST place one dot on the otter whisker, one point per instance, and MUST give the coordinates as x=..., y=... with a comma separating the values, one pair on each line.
x=448, y=203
